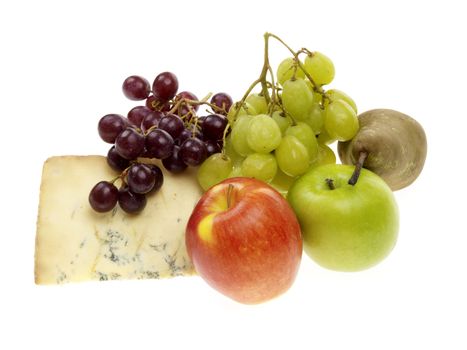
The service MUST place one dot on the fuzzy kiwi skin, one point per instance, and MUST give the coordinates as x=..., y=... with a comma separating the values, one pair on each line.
x=395, y=143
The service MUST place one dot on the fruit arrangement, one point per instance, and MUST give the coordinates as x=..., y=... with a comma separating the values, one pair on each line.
x=272, y=185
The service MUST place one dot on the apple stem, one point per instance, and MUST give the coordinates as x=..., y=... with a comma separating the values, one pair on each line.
x=358, y=167
x=229, y=195
x=330, y=183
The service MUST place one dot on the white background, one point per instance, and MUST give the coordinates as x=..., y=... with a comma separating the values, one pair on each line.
x=61, y=68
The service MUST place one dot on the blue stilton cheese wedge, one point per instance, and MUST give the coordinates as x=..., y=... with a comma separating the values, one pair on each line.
x=74, y=243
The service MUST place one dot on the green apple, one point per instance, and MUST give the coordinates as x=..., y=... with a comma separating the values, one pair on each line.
x=345, y=227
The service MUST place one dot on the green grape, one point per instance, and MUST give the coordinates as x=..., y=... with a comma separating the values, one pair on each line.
x=214, y=170
x=335, y=94
x=258, y=103
x=276, y=107
x=250, y=110
x=316, y=118
x=341, y=121
x=307, y=137
x=292, y=156
x=310, y=86
x=297, y=99
x=324, y=138
x=231, y=153
x=286, y=69
x=246, y=109
x=317, y=97
x=263, y=134
x=260, y=166
x=236, y=172
x=282, y=182
x=239, y=135
x=320, y=68
x=325, y=156
x=282, y=120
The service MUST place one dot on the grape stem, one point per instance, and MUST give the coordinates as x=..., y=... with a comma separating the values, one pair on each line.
x=240, y=104
x=122, y=176
x=115, y=179
x=265, y=70
x=358, y=168
x=271, y=99
x=294, y=122
x=150, y=129
x=189, y=103
x=226, y=130
x=261, y=80
x=316, y=87
x=195, y=122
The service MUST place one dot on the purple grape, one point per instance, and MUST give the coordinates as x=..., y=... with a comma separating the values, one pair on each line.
x=172, y=124
x=183, y=109
x=187, y=133
x=201, y=120
x=214, y=126
x=174, y=163
x=145, y=154
x=193, y=151
x=136, y=88
x=137, y=114
x=103, y=197
x=152, y=103
x=131, y=202
x=159, y=144
x=158, y=176
x=212, y=147
x=110, y=126
x=223, y=101
x=140, y=178
x=129, y=144
x=166, y=107
x=165, y=86
x=198, y=133
x=157, y=105
x=152, y=119
x=187, y=95
x=116, y=161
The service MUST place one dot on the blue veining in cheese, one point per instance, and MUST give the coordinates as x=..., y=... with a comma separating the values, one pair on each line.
x=73, y=243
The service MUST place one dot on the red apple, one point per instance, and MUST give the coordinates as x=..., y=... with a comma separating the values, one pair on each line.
x=244, y=240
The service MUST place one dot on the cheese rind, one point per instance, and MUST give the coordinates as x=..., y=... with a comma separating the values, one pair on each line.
x=74, y=243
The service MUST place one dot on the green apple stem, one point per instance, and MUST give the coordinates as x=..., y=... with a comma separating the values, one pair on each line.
x=330, y=183
x=358, y=168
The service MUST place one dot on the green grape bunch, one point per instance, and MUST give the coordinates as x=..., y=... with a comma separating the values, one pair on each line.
x=285, y=123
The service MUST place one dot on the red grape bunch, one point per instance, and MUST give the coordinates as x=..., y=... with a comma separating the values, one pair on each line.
x=167, y=128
